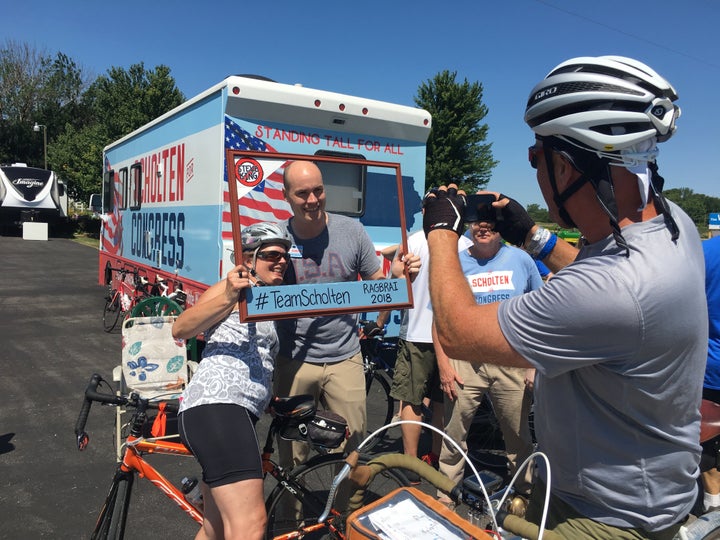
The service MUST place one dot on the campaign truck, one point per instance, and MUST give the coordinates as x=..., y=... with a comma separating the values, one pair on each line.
x=167, y=205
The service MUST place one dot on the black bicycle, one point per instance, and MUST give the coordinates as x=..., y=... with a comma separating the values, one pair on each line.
x=379, y=354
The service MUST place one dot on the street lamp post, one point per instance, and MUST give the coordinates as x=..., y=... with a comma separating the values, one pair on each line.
x=36, y=128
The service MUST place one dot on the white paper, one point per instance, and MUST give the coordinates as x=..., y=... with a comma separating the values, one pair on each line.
x=406, y=521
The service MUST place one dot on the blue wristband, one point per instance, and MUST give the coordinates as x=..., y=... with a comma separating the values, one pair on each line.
x=547, y=248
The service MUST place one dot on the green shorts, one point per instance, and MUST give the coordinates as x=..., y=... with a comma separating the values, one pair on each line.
x=568, y=523
x=416, y=373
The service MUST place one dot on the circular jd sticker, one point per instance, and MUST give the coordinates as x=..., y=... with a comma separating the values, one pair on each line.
x=249, y=172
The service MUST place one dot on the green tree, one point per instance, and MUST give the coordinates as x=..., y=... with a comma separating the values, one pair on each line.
x=117, y=103
x=123, y=100
x=538, y=213
x=78, y=154
x=61, y=101
x=456, y=149
x=34, y=87
x=695, y=205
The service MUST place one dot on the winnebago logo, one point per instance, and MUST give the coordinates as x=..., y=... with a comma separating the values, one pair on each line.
x=28, y=182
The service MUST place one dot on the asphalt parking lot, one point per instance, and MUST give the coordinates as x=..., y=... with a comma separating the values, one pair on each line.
x=52, y=341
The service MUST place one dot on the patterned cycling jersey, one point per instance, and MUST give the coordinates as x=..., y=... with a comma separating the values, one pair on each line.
x=237, y=366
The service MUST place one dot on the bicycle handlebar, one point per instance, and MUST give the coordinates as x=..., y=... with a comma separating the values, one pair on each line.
x=350, y=465
x=82, y=437
x=362, y=475
x=92, y=395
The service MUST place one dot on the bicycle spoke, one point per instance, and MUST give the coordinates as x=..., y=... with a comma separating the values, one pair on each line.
x=285, y=511
x=380, y=406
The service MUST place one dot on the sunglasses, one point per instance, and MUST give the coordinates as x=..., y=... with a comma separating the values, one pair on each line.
x=273, y=256
x=533, y=152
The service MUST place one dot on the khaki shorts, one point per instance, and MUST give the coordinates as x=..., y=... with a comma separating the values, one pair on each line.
x=416, y=373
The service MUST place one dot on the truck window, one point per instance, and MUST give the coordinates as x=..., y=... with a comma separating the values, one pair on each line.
x=135, y=187
x=123, y=188
x=344, y=184
x=108, y=191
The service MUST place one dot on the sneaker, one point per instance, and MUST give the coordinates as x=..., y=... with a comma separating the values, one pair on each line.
x=431, y=459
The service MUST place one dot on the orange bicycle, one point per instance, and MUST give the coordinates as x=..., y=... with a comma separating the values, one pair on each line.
x=297, y=501
x=113, y=516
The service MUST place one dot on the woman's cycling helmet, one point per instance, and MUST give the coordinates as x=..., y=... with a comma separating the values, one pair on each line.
x=258, y=234
x=604, y=104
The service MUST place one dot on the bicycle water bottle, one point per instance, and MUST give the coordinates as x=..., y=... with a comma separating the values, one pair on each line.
x=193, y=493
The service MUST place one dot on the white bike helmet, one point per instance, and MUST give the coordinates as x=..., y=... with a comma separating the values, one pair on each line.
x=604, y=104
x=255, y=236
x=603, y=111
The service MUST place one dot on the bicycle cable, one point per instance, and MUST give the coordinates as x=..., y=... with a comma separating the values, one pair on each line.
x=455, y=445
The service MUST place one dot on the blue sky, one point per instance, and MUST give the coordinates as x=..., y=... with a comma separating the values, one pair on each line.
x=385, y=49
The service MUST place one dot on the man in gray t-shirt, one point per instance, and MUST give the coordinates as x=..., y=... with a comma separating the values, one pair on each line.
x=321, y=355
x=619, y=335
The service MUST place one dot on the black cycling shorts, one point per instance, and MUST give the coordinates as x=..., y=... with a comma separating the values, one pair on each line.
x=222, y=437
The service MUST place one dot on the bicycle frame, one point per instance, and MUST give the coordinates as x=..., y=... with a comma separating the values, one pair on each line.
x=133, y=463
x=285, y=479
x=114, y=511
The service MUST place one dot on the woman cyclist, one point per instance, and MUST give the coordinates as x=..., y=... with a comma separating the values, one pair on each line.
x=232, y=388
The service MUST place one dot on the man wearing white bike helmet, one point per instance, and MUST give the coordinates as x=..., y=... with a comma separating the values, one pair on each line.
x=619, y=335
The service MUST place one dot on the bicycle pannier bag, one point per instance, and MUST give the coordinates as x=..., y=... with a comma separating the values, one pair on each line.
x=407, y=512
x=325, y=429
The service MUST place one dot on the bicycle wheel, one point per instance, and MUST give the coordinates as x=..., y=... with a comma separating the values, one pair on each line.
x=285, y=511
x=485, y=442
x=112, y=311
x=379, y=404
x=113, y=516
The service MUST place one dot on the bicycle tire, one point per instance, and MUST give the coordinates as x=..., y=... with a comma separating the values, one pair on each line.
x=112, y=311
x=113, y=516
x=317, y=476
x=486, y=446
x=380, y=405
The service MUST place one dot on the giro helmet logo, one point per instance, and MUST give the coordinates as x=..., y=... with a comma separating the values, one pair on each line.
x=658, y=111
x=545, y=92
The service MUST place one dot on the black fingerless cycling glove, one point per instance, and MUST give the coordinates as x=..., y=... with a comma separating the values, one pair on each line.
x=514, y=223
x=444, y=210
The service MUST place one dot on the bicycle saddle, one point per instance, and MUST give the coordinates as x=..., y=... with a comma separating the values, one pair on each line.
x=298, y=407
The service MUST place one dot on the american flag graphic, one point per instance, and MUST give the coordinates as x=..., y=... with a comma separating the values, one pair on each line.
x=112, y=226
x=265, y=202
